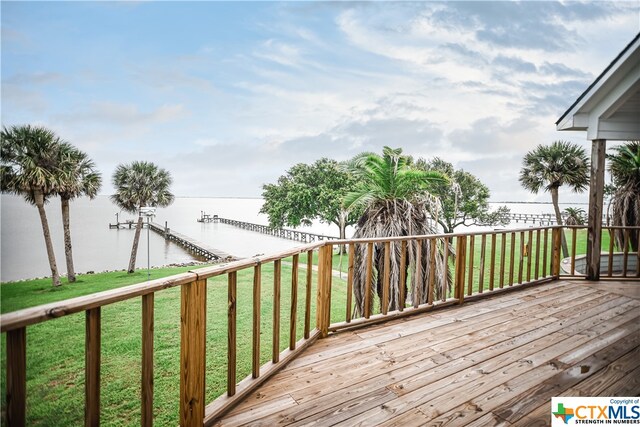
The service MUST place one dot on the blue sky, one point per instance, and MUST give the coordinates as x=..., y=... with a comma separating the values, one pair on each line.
x=228, y=95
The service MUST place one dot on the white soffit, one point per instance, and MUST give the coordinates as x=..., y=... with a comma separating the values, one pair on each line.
x=610, y=107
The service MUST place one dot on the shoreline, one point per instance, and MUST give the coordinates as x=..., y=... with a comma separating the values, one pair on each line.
x=124, y=270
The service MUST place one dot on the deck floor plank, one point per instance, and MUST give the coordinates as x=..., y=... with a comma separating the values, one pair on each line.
x=495, y=361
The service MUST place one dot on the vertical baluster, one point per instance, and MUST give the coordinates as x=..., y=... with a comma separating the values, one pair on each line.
x=503, y=256
x=92, y=368
x=544, y=252
x=557, y=244
x=432, y=270
x=611, y=243
x=573, y=251
x=417, y=294
x=16, y=376
x=511, y=258
x=384, y=304
x=492, y=265
x=460, y=264
x=472, y=251
x=193, y=305
x=255, y=346
x=323, y=305
x=307, y=303
x=529, y=255
x=445, y=279
x=625, y=252
x=521, y=260
x=350, y=282
x=537, y=264
x=232, y=281
x=368, y=285
x=277, y=277
x=483, y=247
x=294, y=304
x=147, y=360
x=403, y=275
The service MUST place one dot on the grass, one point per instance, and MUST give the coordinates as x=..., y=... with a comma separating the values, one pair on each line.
x=55, y=349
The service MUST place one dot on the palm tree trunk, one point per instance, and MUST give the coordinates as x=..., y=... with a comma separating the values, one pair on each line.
x=342, y=224
x=55, y=276
x=556, y=208
x=134, y=249
x=68, y=252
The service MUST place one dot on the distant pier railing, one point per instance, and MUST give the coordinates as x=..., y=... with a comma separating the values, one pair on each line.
x=543, y=219
x=284, y=233
x=191, y=245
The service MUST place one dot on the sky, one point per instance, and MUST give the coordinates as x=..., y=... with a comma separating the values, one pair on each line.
x=229, y=95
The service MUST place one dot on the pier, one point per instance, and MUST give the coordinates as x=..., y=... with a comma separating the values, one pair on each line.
x=191, y=245
x=543, y=219
x=284, y=233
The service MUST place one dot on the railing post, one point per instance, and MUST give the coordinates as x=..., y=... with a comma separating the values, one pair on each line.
x=16, y=376
x=192, y=352
x=92, y=368
x=324, y=289
x=147, y=361
x=461, y=255
x=556, y=243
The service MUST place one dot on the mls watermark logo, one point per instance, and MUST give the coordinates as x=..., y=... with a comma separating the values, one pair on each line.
x=571, y=411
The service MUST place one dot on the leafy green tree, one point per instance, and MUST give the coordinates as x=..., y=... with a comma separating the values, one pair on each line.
x=624, y=165
x=77, y=177
x=397, y=201
x=550, y=167
x=140, y=184
x=309, y=192
x=465, y=201
x=29, y=168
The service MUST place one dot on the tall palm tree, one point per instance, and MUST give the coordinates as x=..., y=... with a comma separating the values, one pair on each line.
x=140, y=184
x=29, y=168
x=624, y=165
x=77, y=178
x=396, y=202
x=549, y=167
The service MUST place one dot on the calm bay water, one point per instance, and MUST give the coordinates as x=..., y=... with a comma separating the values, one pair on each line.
x=98, y=248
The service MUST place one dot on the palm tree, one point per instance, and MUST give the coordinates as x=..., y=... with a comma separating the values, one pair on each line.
x=140, y=184
x=78, y=177
x=396, y=202
x=29, y=168
x=552, y=166
x=575, y=216
x=624, y=165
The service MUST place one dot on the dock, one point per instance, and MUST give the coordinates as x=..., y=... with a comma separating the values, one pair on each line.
x=543, y=219
x=284, y=233
x=191, y=245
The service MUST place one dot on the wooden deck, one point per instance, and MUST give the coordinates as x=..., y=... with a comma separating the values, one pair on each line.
x=497, y=361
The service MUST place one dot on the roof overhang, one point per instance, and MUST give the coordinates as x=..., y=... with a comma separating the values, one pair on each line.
x=610, y=107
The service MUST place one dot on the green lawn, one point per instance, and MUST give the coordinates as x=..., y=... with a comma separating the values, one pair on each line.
x=55, y=349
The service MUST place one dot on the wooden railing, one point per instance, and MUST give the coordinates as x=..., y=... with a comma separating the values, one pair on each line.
x=193, y=408
x=437, y=270
x=620, y=252
x=477, y=264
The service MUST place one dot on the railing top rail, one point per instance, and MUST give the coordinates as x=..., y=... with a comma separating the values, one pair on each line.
x=32, y=315
x=439, y=236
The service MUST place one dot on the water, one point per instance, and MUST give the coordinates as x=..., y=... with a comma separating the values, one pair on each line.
x=98, y=248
